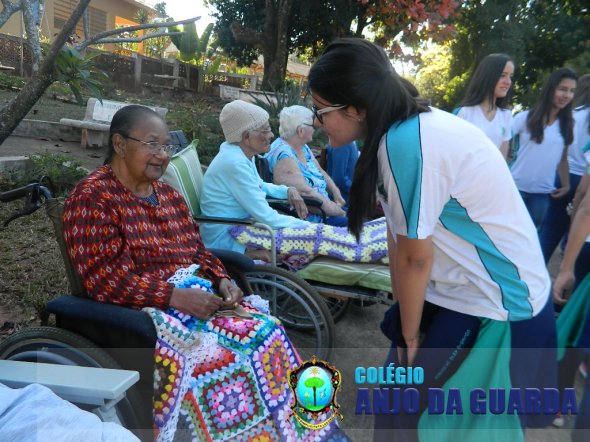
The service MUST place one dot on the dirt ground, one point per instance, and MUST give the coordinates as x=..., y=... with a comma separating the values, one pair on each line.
x=359, y=341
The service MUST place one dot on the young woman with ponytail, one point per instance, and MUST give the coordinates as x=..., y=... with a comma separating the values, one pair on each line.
x=465, y=258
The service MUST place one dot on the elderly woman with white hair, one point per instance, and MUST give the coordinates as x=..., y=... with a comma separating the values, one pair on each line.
x=231, y=185
x=292, y=163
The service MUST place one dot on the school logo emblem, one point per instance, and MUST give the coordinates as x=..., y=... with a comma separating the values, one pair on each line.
x=314, y=385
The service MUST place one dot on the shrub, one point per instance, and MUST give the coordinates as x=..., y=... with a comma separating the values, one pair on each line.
x=63, y=172
x=198, y=121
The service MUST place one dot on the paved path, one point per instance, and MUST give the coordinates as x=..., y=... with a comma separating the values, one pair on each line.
x=22, y=146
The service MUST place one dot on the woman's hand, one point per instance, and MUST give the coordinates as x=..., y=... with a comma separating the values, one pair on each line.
x=562, y=286
x=332, y=209
x=195, y=302
x=231, y=294
x=412, y=346
x=337, y=197
x=297, y=202
x=560, y=193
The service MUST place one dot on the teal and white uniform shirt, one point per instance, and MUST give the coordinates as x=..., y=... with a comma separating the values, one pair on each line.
x=499, y=129
x=441, y=178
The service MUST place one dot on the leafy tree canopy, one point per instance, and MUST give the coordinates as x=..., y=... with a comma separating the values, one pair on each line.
x=313, y=24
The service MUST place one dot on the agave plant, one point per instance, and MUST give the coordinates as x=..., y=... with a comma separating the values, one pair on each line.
x=76, y=70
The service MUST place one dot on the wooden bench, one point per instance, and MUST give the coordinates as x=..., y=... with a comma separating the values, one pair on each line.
x=97, y=120
x=100, y=388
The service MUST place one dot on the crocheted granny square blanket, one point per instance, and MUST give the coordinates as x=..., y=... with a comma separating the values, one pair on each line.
x=320, y=239
x=225, y=378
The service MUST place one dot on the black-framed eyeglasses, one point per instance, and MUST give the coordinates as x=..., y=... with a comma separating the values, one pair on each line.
x=317, y=113
x=154, y=147
x=308, y=124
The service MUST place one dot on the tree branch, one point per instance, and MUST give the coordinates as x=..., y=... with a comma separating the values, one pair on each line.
x=15, y=110
x=101, y=35
x=9, y=8
x=135, y=39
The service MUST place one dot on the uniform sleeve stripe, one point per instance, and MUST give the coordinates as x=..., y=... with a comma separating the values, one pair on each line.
x=404, y=152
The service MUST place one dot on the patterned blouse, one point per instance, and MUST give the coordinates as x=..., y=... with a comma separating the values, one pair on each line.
x=126, y=248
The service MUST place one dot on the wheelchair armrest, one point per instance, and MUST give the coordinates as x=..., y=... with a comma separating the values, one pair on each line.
x=221, y=220
x=312, y=202
x=233, y=259
x=284, y=206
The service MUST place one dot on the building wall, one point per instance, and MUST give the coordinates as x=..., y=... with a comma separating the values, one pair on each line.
x=102, y=16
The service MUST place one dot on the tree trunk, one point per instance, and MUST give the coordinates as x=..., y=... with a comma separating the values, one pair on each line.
x=19, y=106
x=272, y=42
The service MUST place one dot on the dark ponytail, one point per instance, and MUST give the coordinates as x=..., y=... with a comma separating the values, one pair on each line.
x=358, y=73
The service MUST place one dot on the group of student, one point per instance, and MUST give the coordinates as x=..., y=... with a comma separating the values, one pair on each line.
x=547, y=162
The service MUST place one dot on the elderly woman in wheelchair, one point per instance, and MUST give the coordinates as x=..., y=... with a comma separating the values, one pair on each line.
x=232, y=187
x=221, y=360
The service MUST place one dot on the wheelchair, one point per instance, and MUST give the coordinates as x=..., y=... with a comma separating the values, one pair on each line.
x=93, y=334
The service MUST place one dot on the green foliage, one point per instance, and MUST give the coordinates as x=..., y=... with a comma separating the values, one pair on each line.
x=61, y=169
x=160, y=9
x=10, y=81
x=189, y=43
x=274, y=101
x=191, y=46
x=78, y=73
x=142, y=16
x=198, y=121
x=213, y=67
x=433, y=73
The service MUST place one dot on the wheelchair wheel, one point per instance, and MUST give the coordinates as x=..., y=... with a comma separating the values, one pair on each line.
x=337, y=306
x=52, y=345
x=300, y=308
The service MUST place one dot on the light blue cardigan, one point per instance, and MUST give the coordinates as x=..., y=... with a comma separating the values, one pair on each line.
x=232, y=188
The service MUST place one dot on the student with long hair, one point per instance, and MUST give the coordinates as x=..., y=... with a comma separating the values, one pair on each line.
x=464, y=255
x=557, y=219
x=487, y=100
x=541, y=139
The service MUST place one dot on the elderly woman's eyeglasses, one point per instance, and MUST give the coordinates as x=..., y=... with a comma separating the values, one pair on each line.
x=155, y=148
x=317, y=113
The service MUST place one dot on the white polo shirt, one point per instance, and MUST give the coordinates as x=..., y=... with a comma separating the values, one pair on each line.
x=441, y=178
x=498, y=130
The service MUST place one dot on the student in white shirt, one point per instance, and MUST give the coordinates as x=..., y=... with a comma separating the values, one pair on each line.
x=541, y=138
x=557, y=221
x=463, y=252
x=486, y=102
